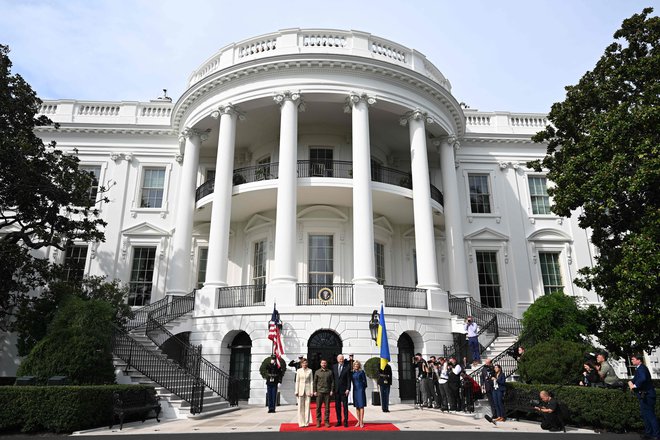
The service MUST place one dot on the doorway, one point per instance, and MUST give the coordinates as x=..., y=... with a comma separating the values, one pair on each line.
x=406, y=372
x=240, y=363
x=323, y=344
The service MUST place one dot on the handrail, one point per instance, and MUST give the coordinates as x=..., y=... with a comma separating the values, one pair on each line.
x=508, y=360
x=140, y=316
x=195, y=364
x=241, y=296
x=319, y=294
x=178, y=306
x=486, y=335
x=159, y=369
x=481, y=313
x=405, y=297
x=338, y=169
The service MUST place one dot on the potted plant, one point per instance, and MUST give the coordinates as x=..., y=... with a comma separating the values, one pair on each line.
x=371, y=369
x=238, y=179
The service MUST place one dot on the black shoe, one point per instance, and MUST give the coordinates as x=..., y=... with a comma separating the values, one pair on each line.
x=557, y=430
x=345, y=424
x=490, y=419
x=338, y=424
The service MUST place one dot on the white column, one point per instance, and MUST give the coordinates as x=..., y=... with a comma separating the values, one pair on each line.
x=364, y=269
x=457, y=263
x=216, y=266
x=285, y=220
x=179, y=269
x=424, y=235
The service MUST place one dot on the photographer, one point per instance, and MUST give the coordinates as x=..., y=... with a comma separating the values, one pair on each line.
x=549, y=409
x=472, y=331
x=422, y=372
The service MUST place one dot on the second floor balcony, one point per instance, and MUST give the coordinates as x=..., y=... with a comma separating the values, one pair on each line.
x=337, y=169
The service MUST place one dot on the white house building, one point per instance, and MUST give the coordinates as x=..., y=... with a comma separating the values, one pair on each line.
x=324, y=172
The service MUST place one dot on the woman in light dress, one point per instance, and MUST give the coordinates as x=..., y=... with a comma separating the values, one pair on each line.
x=359, y=391
x=304, y=391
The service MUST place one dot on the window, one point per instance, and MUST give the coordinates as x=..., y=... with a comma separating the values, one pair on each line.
x=489, y=279
x=153, y=183
x=479, y=193
x=142, y=273
x=95, y=171
x=538, y=191
x=550, y=272
x=259, y=271
x=321, y=259
x=201, y=267
x=320, y=162
x=379, y=252
x=210, y=175
x=75, y=257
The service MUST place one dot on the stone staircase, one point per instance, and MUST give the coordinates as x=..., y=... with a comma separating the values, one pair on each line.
x=173, y=407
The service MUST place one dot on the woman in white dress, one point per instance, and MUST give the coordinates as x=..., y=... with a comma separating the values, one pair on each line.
x=304, y=392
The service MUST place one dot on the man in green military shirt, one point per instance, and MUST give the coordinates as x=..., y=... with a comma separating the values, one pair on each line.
x=324, y=383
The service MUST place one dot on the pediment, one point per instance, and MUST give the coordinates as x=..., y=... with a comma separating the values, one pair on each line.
x=322, y=212
x=549, y=235
x=258, y=221
x=487, y=234
x=145, y=229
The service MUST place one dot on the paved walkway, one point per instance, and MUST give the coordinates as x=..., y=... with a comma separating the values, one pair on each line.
x=252, y=418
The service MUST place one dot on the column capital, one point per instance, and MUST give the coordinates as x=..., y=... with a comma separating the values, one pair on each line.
x=450, y=140
x=354, y=98
x=189, y=133
x=417, y=115
x=228, y=109
x=288, y=95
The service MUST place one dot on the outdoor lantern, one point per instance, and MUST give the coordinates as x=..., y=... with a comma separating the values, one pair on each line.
x=373, y=325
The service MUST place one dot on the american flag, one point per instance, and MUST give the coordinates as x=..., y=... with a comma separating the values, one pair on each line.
x=275, y=336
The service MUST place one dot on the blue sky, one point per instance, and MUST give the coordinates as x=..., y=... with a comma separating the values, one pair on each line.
x=498, y=55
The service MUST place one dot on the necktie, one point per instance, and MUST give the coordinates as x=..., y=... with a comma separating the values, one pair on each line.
x=340, y=369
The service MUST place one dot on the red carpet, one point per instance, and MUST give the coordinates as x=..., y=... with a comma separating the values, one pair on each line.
x=293, y=427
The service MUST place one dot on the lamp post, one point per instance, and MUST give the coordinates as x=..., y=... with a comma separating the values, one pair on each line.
x=373, y=325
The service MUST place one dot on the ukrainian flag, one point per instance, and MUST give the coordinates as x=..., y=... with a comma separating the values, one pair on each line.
x=381, y=341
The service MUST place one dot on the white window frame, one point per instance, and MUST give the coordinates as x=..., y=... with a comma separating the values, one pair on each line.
x=137, y=197
x=87, y=255
x=492, y=186
x=336, y=278
x=98, y=202
x=132, y=241
x=530, y=210
x=500, y=273
x=154, y=279
x=563, y=250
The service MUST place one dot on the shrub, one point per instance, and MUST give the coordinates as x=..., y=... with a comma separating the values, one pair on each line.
x=57, y=408
x=371, y=368
x=557, y=362
x=598, y=408
x=78, y=345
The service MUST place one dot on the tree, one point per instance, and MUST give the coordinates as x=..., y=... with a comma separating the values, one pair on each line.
x=33, y=315
x=44, y=195
x=554, y=317
x=78, y=344
x=603, y=155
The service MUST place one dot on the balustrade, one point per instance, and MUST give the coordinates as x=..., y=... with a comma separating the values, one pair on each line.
x=405, y=297
x=241, y=296
x=315, y=294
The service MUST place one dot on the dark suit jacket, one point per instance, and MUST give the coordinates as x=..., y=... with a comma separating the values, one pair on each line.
x=343, y=381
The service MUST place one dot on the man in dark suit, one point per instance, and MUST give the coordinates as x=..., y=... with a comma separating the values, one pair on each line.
x=642, y=385
x=342, y=373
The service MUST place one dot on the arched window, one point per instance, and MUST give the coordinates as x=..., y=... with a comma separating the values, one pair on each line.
x=323, y=344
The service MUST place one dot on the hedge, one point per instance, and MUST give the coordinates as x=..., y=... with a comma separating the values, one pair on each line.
x=598, y=408
x=57, y=408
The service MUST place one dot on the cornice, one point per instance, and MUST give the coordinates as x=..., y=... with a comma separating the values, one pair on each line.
x=268, y=67
x=83, y=128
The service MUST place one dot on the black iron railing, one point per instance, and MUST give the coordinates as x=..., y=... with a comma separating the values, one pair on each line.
x=242, y=296
x=508, y=360
x=320, y=168
x=178, y=306
x=195, y=364
x=140, y=316
x=158, y=368
x=405, y=297
x=465, y=307
x=486, y=335
x=314, y=294
x=340, y=169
